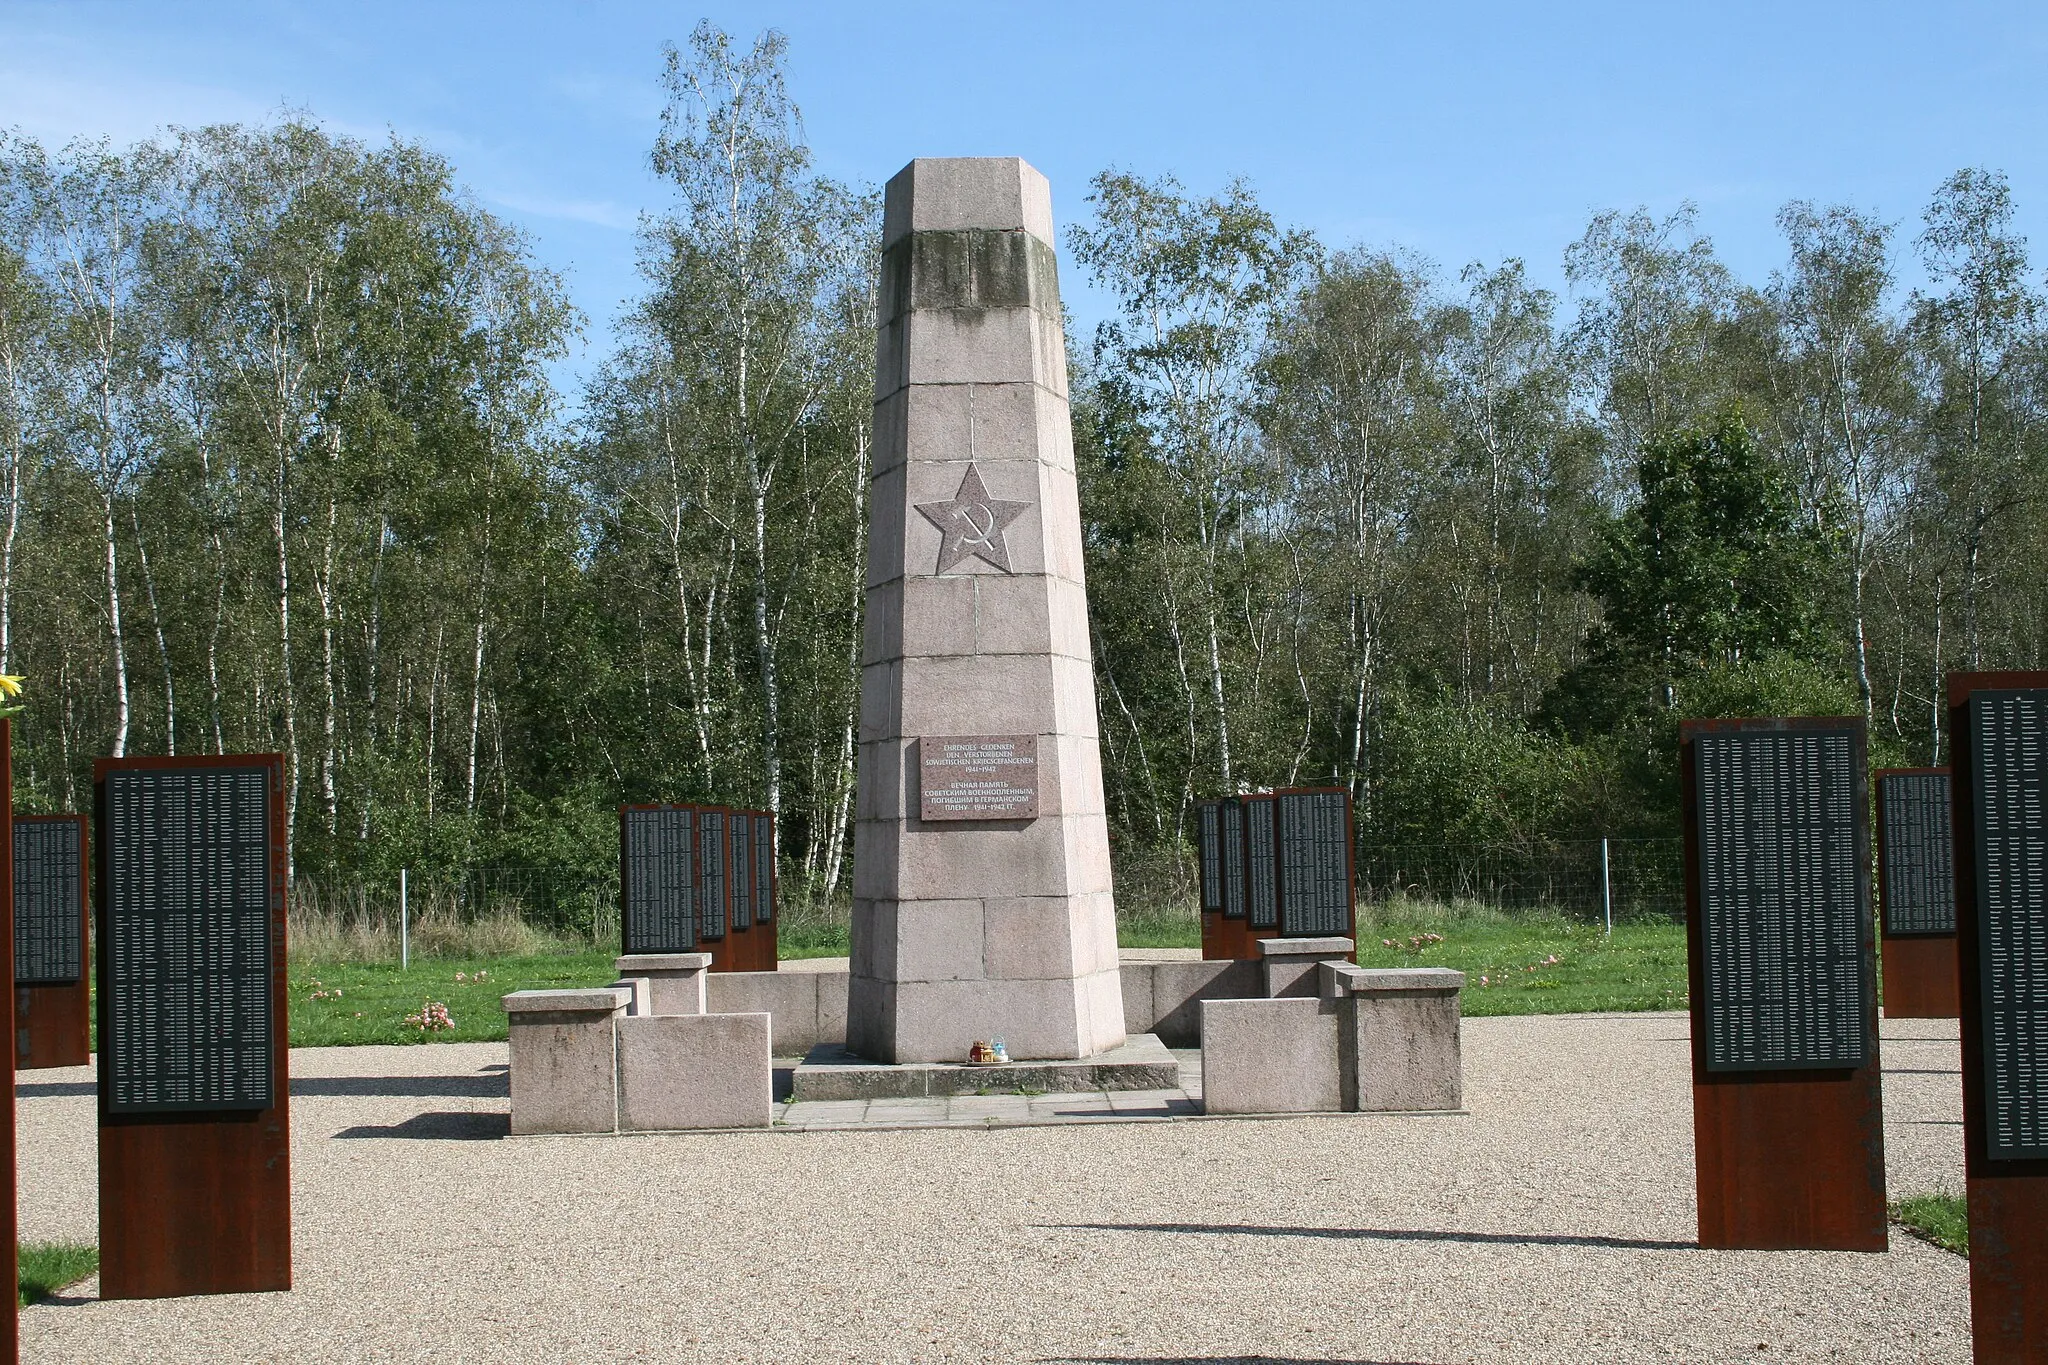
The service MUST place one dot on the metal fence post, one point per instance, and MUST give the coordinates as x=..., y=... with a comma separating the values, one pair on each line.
x=1606, y=887
x=404, y=925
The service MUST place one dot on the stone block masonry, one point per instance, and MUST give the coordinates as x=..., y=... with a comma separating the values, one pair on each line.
x=694, y=1071
x=1398, y=1036
x=1277, y=1056
x=597, y=1061
x=977, y=627
x=675, y=981
x=564, y=1059
x=1372, y=1041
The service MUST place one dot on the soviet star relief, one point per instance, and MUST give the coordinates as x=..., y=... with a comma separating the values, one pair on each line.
x=972, y=524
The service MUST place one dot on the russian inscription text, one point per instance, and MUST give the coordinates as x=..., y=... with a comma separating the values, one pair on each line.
x=188, y=939
x=712, y=880
x=978, y=777
x=659, y=912
x=1261, y=889
x=49, y=946
x=2009, y=758
x=764, y=867
x=1211, y=856
x=1315, y=863
x=1233, y=858
x=1783, y=899
x=1918, y=874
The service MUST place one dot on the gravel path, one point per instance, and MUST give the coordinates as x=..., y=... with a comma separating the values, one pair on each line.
x=1553, y=1224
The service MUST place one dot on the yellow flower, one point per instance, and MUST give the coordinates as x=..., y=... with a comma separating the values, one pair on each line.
x=10, y=684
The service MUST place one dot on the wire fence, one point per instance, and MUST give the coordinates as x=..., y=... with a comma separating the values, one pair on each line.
x=565, y=903
x=477, y=908
x=1625, y=879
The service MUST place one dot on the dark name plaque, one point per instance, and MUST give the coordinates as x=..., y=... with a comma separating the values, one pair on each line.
x=1783, y=895
x=1314, y=829
x=764, y=868
x=1261, y=874
x=187, y=939
x=658, y=913
x=712, y=879
x=1232, y=820
x=1916, y=870
x=2009, y=748
x=978, y=777
x=739, y=827
x=49, y=891
x=1209, y=838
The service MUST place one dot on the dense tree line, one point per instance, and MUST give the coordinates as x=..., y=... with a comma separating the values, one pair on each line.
x=282, y=468
x=1473, y=553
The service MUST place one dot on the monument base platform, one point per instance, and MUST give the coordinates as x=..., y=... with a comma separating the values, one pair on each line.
x=830, y=1072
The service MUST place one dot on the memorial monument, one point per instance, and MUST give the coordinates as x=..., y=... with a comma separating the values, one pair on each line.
x=1998, y=737
x=1917, y=893
x=1788, y=1113
x=52, y=990
x=194, y=1065
x=982, y=898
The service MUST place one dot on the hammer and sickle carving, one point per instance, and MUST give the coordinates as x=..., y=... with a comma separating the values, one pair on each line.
x=971, y=524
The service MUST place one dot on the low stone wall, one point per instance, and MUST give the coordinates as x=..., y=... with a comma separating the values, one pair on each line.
x=1300, y=1030
x=595, y=1062
x=1162, y=996
x=1165, y=998
x=809, y=1005
x=1375, y=1041
x=1273, y=1056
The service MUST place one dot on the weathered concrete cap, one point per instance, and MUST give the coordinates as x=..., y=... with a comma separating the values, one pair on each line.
x=1340, y=978
x=1306, y=947
x=948, y=194
x=640, y=993
x=639, y=964
x=1407, y=979
x=602, y=1001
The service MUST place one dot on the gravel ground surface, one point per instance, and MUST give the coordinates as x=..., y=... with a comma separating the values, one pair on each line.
x=1555, y=1223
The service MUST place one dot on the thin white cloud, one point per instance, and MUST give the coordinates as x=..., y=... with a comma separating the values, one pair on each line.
x=56, y=108
x=597, y=212
x=630, y=102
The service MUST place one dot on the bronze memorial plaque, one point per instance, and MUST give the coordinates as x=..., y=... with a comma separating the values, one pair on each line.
x=978, y=777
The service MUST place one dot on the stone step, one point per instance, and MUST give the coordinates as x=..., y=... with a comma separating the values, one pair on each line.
x=830, y=1072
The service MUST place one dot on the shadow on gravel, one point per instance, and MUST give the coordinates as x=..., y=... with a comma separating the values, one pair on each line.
x=1534, y=1239
x=48, y=1090
x=465, y=1125
x=1215, y=1360
x=404, y=1087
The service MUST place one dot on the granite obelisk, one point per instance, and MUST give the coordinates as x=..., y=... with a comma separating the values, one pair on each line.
x=982, y=905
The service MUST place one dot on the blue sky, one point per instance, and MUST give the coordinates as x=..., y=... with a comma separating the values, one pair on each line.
x=1461, y=132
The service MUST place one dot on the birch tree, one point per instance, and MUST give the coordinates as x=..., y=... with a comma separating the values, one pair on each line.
x=1197, y=283
x=748, y=268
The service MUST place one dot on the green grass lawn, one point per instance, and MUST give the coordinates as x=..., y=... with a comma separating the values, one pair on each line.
x=1519, y=965
x=337, y=1004
x=1158, y=931
x=1942, y=1219
x=811, y=940
x=47, y=1267
x=1541, y=965
x=341, y=1003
